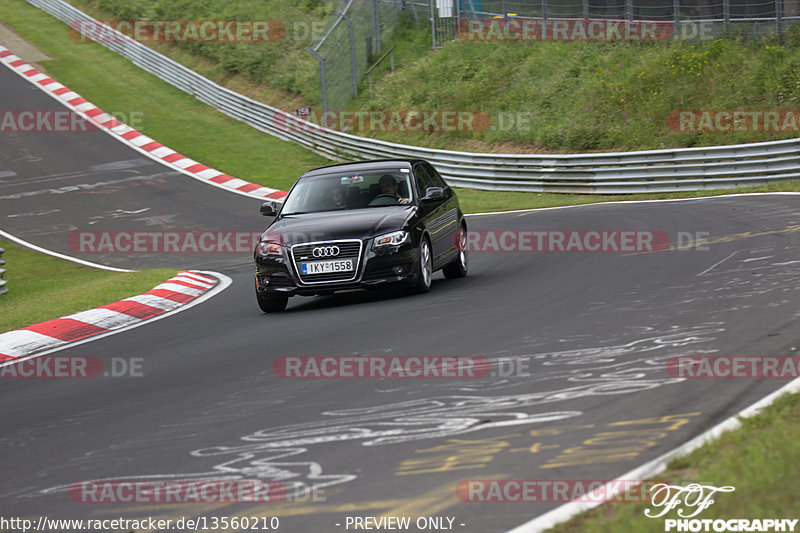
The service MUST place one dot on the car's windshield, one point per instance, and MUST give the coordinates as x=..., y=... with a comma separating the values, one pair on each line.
x=341, y=191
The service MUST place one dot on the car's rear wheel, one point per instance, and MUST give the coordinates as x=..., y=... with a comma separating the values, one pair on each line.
x=424, y=267
x=458, y=267
x=272, y=303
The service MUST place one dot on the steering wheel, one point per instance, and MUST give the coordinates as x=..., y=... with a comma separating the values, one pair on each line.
x=383, y=200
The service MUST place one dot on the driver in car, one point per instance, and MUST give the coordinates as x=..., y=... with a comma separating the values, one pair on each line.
x=337, y=197
x=389, y=186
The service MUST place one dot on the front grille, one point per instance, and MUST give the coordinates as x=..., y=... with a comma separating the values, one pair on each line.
x=348, y=249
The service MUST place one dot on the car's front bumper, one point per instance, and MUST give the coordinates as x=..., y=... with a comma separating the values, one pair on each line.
x=385, y=266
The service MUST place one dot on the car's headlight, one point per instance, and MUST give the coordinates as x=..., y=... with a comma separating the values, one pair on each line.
x=392, y=239
x=268, y=248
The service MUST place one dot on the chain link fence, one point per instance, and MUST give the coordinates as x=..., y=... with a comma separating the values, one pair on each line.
x=675, y=10
x=689, y=19
x=352, y=41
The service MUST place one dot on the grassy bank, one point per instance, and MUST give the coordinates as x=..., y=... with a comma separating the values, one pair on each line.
x=759, y=460
x=282, y=61
x=70, y=287
x=578, y=96
x=540, y=96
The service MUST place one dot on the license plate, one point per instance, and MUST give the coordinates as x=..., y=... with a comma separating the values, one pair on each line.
x=327, y=267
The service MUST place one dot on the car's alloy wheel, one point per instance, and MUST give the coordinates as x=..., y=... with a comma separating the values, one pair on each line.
x=458, y=268
x=425, y=267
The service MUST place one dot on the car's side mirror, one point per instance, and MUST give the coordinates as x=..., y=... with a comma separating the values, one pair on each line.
x=269, y=209
x=433, y=194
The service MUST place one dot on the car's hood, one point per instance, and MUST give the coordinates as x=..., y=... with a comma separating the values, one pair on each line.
x=330, y=225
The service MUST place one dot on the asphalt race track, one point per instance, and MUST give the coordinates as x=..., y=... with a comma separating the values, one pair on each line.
x=590, y=397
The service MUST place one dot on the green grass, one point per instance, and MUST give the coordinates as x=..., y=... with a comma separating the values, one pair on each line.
x=594, y=96
x=759, y=460
x=41, y=287
x=284, y=64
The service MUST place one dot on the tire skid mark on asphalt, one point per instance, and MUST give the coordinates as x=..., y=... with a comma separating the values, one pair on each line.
x=272, y=453
x=701, y=243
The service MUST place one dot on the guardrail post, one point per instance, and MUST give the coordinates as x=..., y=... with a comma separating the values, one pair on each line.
x=676, y=6
x=544, y=20
x=726, y=14
x=779, y=17
x=3, y=288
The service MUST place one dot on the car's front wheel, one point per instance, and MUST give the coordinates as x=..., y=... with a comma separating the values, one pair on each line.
x=424, y=267
x=272, y=303
x=458, y=267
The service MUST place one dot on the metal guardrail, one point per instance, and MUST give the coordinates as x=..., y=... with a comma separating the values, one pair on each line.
x=603, y=173
x=3, y=288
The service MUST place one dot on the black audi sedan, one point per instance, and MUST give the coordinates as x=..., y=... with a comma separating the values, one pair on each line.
x=358, y=226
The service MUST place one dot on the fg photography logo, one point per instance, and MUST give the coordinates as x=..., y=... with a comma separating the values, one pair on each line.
x=691, y=500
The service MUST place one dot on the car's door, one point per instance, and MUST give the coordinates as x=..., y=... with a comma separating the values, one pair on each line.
x=452, y=214
x=439, y=216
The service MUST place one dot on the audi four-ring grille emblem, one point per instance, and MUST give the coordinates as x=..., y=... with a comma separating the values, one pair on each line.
x=325, y=251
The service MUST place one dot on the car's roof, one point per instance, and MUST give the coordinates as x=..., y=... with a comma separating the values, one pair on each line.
x=360, y=166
